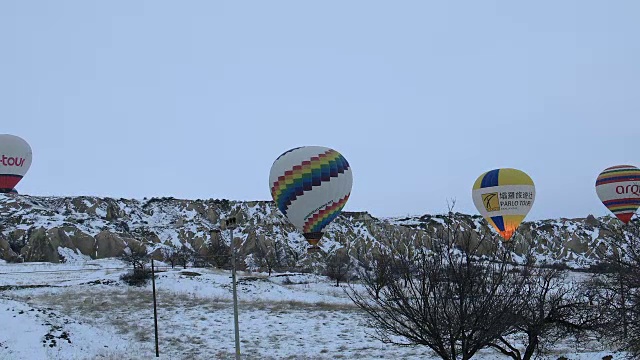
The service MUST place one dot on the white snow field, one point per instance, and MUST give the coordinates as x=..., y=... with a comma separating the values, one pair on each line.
x=81, y=310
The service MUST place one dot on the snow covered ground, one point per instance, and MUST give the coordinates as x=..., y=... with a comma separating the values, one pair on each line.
x=81, y=310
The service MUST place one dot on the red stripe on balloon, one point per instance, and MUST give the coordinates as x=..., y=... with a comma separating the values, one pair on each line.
x=621, y=201
x=9, y=181
x=611, y=181
x=626, y=217
x=620, y=167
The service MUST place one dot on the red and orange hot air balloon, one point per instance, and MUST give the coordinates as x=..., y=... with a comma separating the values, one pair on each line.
x=618, y=188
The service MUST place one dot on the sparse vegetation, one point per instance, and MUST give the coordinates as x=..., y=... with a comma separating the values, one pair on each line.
x=553, y=309
x=446, y=295
x=184, y=256
x=265, y=254
x=138, y=277
x=616, y=291
x=170, y=255
x=218, y=253
x=338, y=266
x=139, y=259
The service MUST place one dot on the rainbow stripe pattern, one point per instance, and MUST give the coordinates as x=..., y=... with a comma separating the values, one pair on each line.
x=305, y=176
x=323, y=217
x=616, y=174
x=489, y=191
x=619, y=189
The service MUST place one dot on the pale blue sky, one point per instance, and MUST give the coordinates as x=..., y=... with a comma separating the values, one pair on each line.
x=196, y=99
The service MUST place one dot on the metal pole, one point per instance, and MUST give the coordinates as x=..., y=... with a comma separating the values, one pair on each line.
x=155, y=308
x=235, y=295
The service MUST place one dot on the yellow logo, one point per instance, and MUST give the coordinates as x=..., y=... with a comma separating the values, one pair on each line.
x=491, y=201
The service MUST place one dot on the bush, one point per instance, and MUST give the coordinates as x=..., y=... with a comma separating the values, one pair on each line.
x=603, y=268
x=555, y=266
x=136, y=277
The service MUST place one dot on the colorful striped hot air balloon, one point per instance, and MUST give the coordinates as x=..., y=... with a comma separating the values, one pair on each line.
x=618, y=188
x=15, y=160
x=504, y=197
x=310, y=185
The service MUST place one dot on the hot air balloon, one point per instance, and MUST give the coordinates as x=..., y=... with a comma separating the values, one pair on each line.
x=310, y=185
x=504, y=197
x=15, y=160
x=618, y=188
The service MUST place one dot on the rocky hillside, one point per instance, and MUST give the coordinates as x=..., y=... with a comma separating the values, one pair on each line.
x=56, y=229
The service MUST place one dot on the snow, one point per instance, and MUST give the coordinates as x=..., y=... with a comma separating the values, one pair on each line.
x=101, y=212
x=253, y=211
x=39, y=333
x=71, y=256
x=90, y=314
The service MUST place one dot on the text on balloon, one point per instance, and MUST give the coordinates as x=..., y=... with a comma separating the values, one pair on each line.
x=11, y=161
x=629, y=189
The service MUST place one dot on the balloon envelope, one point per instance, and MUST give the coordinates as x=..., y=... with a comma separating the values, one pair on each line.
x=15, y=160
x=310, y=185
x=504, y=197
x=618, y=187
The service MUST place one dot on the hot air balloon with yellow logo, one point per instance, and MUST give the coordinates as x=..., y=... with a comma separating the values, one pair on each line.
x=618, y=187
x=310, y=185
x=504, y=197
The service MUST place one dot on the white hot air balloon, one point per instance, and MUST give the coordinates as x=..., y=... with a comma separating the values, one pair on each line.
x=310, y=185
x=618, y=187
x=15, y=160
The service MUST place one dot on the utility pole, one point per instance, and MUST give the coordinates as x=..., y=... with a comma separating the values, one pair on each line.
x=155, y=309
x=230, y=224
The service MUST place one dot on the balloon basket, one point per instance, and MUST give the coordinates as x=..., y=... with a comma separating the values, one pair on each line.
x=313, y=249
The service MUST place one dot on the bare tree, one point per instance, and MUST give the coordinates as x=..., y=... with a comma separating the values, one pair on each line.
x=554, y=308
x=444, y=297
x=170, y=255
x=338, y=265
x=265, y=254
x=616, y=291
x=218, y=253
x=376, y=271
x=137, y=257
x=184, y=255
